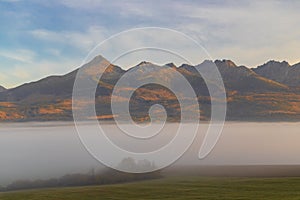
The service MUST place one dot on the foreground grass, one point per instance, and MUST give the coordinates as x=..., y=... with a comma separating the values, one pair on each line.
x=174, y=188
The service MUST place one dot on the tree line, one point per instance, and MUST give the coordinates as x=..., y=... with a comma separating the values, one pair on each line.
x=93, y=177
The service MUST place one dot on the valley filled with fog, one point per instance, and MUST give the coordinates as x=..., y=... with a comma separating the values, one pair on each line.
x=41, y=150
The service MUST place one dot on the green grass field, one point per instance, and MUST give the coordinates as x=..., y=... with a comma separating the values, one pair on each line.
x=174, y=188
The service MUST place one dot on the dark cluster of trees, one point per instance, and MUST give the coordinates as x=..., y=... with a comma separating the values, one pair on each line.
x=93, y=177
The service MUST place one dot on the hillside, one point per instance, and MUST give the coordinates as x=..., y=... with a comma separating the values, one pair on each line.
x=260, y=94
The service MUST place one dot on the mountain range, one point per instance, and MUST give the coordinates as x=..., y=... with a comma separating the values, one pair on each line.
x=281, y=72
x=270, y=92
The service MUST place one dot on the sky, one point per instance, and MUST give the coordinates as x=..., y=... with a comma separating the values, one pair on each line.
x=40, y=38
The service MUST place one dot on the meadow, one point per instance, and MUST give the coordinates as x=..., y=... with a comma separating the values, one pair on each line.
x=176, y=188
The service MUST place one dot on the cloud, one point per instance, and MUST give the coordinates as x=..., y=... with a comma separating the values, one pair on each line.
x=53, y=51
x=125, y=9
x=236, y=30
x=51, y=56
x=28, y=72
x=21, y=55
x=83, y=40
x=248, y=32
x=88, y=4
x=10, y=1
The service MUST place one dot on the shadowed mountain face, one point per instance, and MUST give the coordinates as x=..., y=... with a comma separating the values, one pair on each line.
x=264, y=93
x=241, y=78
x=53, y=88
x=2, y=88
x=47, y=89
x=281, y=72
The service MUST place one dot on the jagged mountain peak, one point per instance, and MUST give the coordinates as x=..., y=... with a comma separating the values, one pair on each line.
x=172, y=65
x=143, y=63
x=98, y=58
x=275, y=62
x=281, y=72
x=225, y=62
x=273, y=65
x=207, y=62
x=143, y=66
x=101, y=65
x=185, y=66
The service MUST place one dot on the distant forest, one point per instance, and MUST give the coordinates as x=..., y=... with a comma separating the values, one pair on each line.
x=93, y=177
